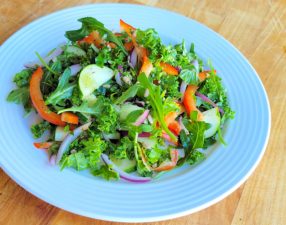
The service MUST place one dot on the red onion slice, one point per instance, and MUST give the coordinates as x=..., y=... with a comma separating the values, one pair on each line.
x=144, y=134
x=69, y=139
x=52, y=160
x=118, y=79
x=120, y=68
x=133, y=58
x=181, y=152
x=47, y=59
x=75, y=69
x=196, y=65
x=141, y=118
x=123, y=175
x=206, y=99
x=183, y=88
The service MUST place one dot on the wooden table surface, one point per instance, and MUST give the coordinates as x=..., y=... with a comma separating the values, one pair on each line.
x=258, y=30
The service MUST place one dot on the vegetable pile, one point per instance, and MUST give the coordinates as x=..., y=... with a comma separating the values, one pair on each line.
x=123, y=105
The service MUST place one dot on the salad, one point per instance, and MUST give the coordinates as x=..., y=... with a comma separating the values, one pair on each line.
x=122, y=105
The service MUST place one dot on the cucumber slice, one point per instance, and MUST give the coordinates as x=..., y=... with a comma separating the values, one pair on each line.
x=126, y=165
x=212, y=117
x=60, y=133
x=126, y=109
x=75, y=51
x=92, y=77
x=147, y=142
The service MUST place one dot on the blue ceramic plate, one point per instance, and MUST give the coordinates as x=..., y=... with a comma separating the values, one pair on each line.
x=184, y=190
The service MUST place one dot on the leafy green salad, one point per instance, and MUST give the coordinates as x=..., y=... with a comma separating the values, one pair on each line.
x=122, y=105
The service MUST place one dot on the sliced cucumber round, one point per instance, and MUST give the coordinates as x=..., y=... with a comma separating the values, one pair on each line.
x=60, y=133
x=92, y=77
x=211, y=117
x=74, y=50
x=126, y=165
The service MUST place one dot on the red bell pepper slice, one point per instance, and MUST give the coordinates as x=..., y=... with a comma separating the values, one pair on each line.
x=169, y=69
x=38, y=101
x=190, y=101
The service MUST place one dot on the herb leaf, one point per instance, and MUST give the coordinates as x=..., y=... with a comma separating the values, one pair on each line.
x=19, y=96
x=156, y=102
x=90, y=24
x=63, y=90
x=197, y=130
x=129, y=93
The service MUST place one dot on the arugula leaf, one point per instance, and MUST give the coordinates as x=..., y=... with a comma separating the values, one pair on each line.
x=129, y=93
x=156, y=102
x=19, y=96
x=190, y=76
x=50, y=80
x=133, y=116
x=63, y=90
x=90, y=24
x=197, y=130
x=192, y=155
x=83, y=108
x=39, y=128
x=106, y=172
x=45, y=64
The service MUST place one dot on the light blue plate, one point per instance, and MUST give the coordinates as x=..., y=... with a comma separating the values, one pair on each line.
x=183, y=191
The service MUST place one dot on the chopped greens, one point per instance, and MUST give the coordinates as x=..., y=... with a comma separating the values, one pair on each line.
x=113, y=114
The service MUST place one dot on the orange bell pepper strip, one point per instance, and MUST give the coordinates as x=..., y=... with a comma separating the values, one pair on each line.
x=175, y=127
x=190, y=101
x=169, y=69
x=168, y=165
x=146, y=66
x=127, y=28
x=111, y=44
x=43, y=145
x=69, y=117
x=130, y=30
x=170, y=117
x=204, y=75
x=93, y=38
x=38, y=101
x=129, y=46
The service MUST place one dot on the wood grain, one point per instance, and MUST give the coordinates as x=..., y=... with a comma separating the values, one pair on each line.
x=258, y=30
